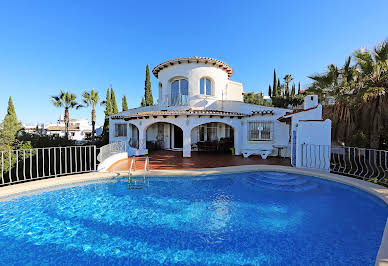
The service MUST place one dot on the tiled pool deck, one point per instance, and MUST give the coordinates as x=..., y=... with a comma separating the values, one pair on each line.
x=174, y=160
x=9, y=192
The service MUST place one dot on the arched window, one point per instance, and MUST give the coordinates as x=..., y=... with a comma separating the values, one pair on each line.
x=179, y=91
x=205, y=86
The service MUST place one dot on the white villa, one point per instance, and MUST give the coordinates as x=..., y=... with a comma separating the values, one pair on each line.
x=79, y=129
x=200, y=108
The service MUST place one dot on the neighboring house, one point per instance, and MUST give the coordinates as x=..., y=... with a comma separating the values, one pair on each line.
x=79, y=129
x=200, y=108
x=34, y=129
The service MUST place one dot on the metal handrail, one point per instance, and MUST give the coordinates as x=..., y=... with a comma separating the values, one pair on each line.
x=146, y=165
x=133, y=164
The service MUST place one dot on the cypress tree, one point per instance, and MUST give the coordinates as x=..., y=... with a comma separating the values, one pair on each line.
x=293, y=90
x=108, y=112
x=115, y=109
x=279, y=91
x=275, y=88
x=10, y=125
x=299, y=87
x=269, y=91
x=143, y=102
x=149, y=99
x=108, y=104
x=124, y=104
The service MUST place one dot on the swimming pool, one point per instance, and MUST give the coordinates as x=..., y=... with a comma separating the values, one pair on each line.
x=245, y=218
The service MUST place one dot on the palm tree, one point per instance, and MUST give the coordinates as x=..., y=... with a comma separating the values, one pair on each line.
x=91, y=99
x=287, y=79
x=67, y=100
x=373, y=77
x=338, y=83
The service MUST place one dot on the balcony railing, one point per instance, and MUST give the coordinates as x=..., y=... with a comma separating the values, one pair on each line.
x=177, y=100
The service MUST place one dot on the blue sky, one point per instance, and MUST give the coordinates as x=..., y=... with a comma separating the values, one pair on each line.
x=46, y=46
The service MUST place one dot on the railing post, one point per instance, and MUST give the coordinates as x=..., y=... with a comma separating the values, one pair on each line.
x=95, y=157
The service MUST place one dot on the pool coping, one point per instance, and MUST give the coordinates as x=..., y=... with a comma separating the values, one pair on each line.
x=38, y=186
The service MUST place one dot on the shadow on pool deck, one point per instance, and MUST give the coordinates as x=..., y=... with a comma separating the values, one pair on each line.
x=174, y=160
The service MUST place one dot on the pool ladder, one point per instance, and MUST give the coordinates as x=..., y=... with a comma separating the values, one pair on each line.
x=137, y=182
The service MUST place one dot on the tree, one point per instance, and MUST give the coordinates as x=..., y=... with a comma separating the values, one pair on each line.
x=269, y=91
x=148, y=98
x=298, y=87
x=9, y=129
x=124, y=104
x=279, y=89
x=358, y=96
x=287, y=79
x=10, y=126
x=373, y=90
x=143, y=102
x=114, y=107
x=107, y=103
x=256, y=98
x=108, y=111
x=67, y=100
x=274, y=87
x=91, y=99
x=293, y=90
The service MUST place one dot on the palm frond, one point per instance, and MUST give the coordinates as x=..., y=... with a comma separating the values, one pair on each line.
x=381, y=53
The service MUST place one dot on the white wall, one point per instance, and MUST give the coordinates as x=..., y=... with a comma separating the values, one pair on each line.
x=234, y=91
x=222, y=88
x=313, y=144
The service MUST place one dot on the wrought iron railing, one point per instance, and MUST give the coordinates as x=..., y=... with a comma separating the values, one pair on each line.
x=29, y=164
x=366, y=164
x=315, y=156
x=110, y=149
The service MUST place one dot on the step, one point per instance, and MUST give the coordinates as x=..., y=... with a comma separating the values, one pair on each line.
x=289, y=188
x=295, y=181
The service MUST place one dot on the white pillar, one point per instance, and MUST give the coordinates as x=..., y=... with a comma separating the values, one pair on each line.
x=237, y=135
x=142, y=138
x=186, y=142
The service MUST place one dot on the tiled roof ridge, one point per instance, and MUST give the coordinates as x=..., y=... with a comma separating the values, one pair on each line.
x=181, y=112
x=194, y=59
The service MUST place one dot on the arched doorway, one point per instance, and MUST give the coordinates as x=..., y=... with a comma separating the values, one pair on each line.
x=213, y=137
x=164, y=136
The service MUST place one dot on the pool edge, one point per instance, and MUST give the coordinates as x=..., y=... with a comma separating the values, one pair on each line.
x=18, y=190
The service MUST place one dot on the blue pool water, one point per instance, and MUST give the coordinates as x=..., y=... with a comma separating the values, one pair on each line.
x=257, y=218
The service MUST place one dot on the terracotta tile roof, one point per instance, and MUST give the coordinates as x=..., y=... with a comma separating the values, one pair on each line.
x=178, y=112
x=288, y=115
x=194, y=59
x=60, y=128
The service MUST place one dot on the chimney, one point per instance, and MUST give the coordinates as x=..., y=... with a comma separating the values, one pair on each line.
x=310, y=101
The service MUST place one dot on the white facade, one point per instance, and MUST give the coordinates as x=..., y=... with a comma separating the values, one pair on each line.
x=196, y=91
x=79, y=129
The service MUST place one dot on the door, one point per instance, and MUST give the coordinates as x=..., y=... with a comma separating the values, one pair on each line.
x=178, y=137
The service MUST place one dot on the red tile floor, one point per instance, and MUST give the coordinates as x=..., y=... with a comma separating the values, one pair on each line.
x=173, y=160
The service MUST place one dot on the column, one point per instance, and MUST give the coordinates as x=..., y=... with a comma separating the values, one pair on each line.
x=142, y=138
x=186, y=142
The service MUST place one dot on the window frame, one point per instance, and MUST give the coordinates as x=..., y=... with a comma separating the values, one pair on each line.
x=260, y=130
x=205, y=86
x=125, y=131
x=207, y=131
x=181, y=101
